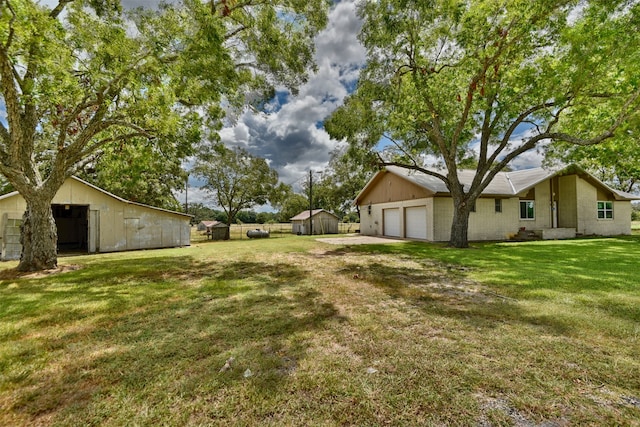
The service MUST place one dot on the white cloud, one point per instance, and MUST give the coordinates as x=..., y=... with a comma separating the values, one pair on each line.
x=290, y=136
x=194, y=195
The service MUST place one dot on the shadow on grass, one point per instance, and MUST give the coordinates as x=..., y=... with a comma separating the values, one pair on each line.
x=446, y=290
x=157, y=327
x=592, y=267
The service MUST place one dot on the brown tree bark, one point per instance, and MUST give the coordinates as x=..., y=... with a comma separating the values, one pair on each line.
x=39, y=236
x=460, y=226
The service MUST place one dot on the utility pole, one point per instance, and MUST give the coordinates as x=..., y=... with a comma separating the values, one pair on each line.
x=186, y=196
x=310, y=203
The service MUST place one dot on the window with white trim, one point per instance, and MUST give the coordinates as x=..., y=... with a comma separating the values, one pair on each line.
x=605, y=210
x=527, y=209
x=498, y=205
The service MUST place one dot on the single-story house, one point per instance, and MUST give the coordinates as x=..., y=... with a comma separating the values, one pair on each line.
x=216, y=230
x=90, y=219
x=553, y=204
x=323, y=222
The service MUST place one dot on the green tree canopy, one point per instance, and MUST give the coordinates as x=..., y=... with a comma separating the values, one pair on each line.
x=615, y=161
x=348, y=171
x=82, y=77
x=236, y=179
x=461, y=80
x=292, y=206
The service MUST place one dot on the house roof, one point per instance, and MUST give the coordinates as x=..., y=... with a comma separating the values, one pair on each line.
x=305, y=214
x=504, y=184
x=120, y=199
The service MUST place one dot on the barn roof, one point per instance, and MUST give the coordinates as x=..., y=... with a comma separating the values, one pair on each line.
x=504, y=184
x=120, y=199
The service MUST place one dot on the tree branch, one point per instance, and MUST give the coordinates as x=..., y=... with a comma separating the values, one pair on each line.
x=59, y=8
x=415, y=167
x=11, y=29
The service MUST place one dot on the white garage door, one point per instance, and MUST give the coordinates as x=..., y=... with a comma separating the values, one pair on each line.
x=391, y=218
x=416, y=222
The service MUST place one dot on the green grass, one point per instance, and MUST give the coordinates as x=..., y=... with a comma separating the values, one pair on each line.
x=537, y=333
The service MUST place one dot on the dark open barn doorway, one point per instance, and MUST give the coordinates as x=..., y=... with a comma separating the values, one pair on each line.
x=72, y=222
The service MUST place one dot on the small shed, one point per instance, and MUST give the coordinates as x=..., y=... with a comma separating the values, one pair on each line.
x=216, y=230
x=203, y=225
x=322, y=222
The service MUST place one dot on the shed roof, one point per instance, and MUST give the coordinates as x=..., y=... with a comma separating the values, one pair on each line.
x=120, y=199
x=213, y=224
x=504, y=184
x=305, y=214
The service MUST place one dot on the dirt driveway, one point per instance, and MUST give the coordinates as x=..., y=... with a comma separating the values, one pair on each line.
x=358, y=240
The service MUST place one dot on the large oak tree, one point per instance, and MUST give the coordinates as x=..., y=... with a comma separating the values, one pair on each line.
x=84, y=75
x=480, y=82
x=236, y=179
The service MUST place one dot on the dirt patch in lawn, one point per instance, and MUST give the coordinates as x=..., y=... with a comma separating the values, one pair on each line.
x=15, y=274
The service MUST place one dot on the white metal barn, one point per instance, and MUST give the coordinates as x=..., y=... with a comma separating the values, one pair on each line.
x=91, y=220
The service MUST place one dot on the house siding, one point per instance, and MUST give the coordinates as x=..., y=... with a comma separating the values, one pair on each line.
x=392, y=188
x=567, y=206
x=442, y=218
x=588, y=222
x=487, y=224
x=484, y=224
x=542, y=208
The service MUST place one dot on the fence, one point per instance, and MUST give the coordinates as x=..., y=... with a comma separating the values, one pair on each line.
x=239, y=231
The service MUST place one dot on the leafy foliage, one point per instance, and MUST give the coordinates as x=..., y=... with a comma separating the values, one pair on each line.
x=450, y=83
x=236, y=179
x=348, y=171
x=615, y=161
x=84, y=82
x=295, y=204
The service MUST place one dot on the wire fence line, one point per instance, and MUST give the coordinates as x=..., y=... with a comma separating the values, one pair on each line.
x=239, y=231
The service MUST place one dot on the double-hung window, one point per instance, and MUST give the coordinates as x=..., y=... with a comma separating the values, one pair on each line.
x=605, y=210
x=527, y=209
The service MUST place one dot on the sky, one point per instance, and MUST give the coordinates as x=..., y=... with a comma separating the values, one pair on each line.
x=289, y=133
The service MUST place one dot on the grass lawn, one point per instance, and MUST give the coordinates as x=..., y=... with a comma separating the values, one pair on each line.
x=525, y=334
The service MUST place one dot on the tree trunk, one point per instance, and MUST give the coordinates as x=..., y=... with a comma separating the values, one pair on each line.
x=230, y=218
x=460, y=226
x=39, y=236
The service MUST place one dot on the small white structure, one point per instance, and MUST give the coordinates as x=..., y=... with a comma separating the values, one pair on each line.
x=203, y=225
x=216, y=230
x=91, y=220
x=322, y=222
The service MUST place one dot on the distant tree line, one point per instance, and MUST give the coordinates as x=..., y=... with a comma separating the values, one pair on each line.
x=201, y=212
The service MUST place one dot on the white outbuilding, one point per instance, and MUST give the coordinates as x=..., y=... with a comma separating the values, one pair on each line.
x=90, y=220
x=322, y=222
